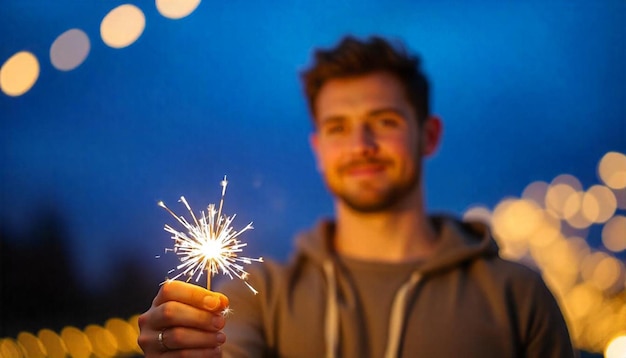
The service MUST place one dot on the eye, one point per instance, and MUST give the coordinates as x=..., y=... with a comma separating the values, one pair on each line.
x=333, y=127
x=389, y=122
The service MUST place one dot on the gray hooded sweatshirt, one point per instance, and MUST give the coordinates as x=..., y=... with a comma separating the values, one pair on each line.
x=464, y=301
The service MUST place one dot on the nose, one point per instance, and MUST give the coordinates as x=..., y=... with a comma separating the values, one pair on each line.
x=363, y=140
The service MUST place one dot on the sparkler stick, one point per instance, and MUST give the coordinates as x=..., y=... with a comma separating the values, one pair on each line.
x=209, y=244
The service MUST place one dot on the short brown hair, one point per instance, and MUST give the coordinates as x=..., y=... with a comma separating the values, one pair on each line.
x=353, y=57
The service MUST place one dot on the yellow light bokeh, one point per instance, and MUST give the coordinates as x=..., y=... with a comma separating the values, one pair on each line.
x=9, y=348
x=581, y=301
x=32, y=345
x=599, y=204
x=54, y=344
x=589, y=263
x=557, y=197
x=102, y=341
x=176, y=9
x=77, y=343
x=19, y=73
x=516, y=219
x=69, y=50
x=616, y=347
x=536, y=191
x=607, y=274
x=612, y=170
x=122, y=26
x=614, y=234
x=124, y=334
x=478, y=213
x=548, y=230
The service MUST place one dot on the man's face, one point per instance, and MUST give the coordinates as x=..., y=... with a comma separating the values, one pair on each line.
x=367, y=142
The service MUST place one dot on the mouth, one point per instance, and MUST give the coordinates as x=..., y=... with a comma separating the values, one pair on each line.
x=363, y=168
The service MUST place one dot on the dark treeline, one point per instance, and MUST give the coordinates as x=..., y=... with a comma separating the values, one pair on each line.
x=39, y=287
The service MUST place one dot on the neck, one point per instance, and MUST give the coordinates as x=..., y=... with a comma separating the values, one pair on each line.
x=395, y=235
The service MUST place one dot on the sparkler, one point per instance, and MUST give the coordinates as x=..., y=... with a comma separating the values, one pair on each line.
x=209, y=244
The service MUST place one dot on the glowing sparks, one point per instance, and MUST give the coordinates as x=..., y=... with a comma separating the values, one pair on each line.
x=210, y=244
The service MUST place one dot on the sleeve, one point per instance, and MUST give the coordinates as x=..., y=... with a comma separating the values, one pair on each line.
x=245, y=329
x=543, y=327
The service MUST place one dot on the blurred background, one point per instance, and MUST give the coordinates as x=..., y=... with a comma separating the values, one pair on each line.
x=107, y=108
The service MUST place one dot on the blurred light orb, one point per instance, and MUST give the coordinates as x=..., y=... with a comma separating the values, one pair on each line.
x=19, y=73
x=516, y=219
x=536, y=191
x=134, y=323
x=612, y=170
x=589, y=263
x=122, y=26
x=76, y=342
x=569, y=180
x=599, y=204
x=124, y=333
x=557, y=198
x=53, y=343
x=616, y=348
x=614, y=234
x=176, y=9
x=69, y=50
x=607, y=273
x=572, y=205
x=548, y=232
x=10, y=349
x=581, y=301
x=32, y=345
x=102, y=341
x=478, y=213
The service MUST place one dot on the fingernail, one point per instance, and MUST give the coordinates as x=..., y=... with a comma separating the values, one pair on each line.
x=211, y=302
x=221, y=337
x=218, y=322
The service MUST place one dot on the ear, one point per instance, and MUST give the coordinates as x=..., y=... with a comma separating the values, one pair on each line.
x=431, y=135
x=314, y=143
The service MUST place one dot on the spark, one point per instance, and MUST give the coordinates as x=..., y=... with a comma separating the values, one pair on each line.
x=210, y=244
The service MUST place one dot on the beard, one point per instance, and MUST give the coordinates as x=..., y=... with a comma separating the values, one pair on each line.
x=374, y=195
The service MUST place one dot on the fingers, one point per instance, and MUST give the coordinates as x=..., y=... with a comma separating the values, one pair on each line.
x=179, y=339
x=187, y=338
x=192, y=295
x=173, y=313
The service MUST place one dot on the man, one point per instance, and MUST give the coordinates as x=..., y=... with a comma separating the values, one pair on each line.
x=383, y=279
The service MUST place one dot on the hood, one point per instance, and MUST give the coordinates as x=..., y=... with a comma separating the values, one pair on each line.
x=459, y=242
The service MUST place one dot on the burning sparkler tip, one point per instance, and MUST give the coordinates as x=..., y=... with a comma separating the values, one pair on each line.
x=209, y=244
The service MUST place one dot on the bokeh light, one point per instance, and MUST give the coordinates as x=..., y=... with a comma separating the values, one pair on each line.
x=176, y=9
x=478, y=213
x=614, y=234
x=9, y=348
x=548, y=228
x=598, y=204
x=536, y=191
x=19, y=73
x=124, y=333
x=616, y=347
x=32, y=345
x=69, y=50
x=122, y=26
x=78, y=345
x=102, y=341
x=612, y=170
x=53, y=343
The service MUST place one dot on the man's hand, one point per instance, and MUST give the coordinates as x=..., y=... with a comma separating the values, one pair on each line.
x=184, y=320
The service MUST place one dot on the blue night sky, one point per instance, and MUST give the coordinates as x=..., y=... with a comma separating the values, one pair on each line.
x=527, y=90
